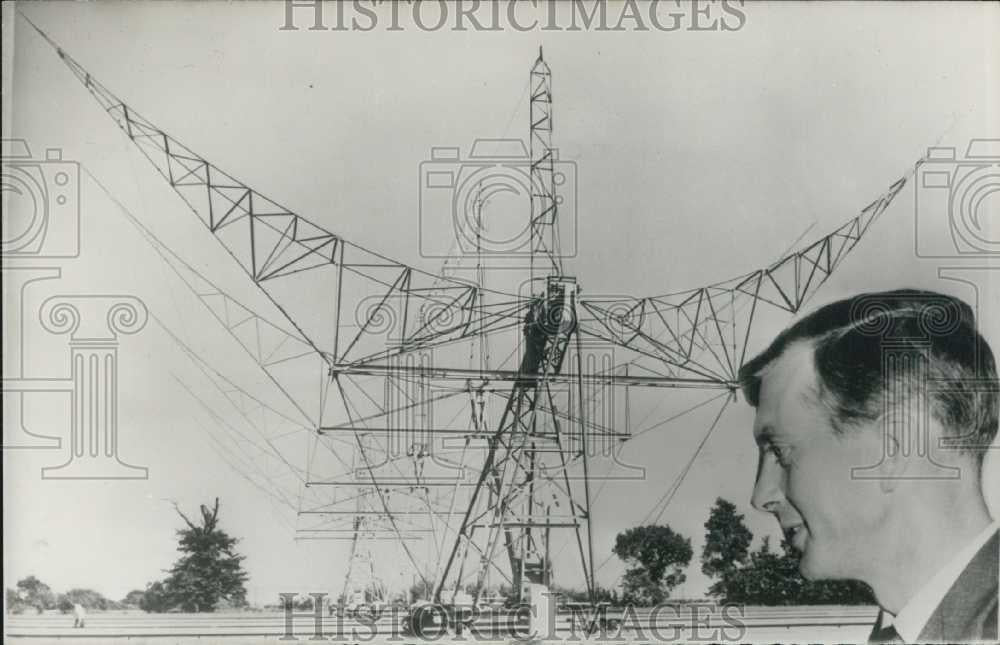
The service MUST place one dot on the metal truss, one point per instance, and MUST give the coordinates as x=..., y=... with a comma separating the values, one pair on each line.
x=703, y=333
x=545, y=248
x=387, y=463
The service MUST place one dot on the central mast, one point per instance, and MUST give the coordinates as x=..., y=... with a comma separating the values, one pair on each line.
x=545, y=254
x=525, y=490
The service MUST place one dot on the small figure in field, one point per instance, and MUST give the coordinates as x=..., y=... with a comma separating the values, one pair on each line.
x=79, y=615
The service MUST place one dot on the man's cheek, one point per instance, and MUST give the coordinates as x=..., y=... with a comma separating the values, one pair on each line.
x=806, y=494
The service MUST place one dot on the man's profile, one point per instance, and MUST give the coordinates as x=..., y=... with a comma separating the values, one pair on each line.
x=873, y=416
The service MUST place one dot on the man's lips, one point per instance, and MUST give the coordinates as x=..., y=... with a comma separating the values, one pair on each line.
x=792, y=530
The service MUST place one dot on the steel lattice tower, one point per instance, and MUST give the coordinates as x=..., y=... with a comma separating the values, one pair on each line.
x=545, y=251
x=694, y=339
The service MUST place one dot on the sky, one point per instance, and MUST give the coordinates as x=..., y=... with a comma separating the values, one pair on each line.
x=700, y=155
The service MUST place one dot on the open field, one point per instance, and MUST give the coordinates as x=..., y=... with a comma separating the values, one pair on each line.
x=688, y=623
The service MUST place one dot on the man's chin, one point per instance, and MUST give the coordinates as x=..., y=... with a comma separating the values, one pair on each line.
x=807, y=572
x=809, y=568
x=812, y=568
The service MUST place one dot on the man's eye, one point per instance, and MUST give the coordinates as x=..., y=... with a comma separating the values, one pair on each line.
x=779, y=452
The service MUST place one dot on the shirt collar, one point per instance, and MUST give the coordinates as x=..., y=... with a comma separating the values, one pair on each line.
x=910, y=620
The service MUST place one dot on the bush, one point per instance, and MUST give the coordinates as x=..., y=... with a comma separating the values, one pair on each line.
x=32, y=592
x=133, y=598
x=88, y=598
x=156, y=598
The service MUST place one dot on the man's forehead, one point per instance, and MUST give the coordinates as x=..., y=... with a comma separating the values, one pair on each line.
x=785, y=378
x=794, y=365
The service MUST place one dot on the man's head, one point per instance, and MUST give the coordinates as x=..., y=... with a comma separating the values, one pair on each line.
x=845, y=389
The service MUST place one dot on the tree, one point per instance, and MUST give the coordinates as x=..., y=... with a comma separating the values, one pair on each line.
x=210, y=570
x=727, y=544
x=133, y=598
x=768, y=579
x=156, y=598
x=837, y=592
x=14, y=603
x=603, y=594
x=34, y=593
x=63, y=604
x=657, y=556
x=303, y=603
x=87, y=598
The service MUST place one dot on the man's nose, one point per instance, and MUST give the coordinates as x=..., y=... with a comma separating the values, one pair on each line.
x=767, y=491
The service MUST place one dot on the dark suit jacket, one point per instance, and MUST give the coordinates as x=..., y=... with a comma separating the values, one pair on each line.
x=968, y=612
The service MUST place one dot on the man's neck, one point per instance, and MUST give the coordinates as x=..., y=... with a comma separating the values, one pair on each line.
x=918, y=546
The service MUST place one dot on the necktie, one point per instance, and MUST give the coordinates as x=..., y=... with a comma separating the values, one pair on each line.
x=885, y=634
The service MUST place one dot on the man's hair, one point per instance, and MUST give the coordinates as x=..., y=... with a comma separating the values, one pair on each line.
x=869, y=351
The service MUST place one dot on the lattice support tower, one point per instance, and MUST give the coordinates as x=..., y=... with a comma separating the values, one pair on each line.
x=545, y=249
